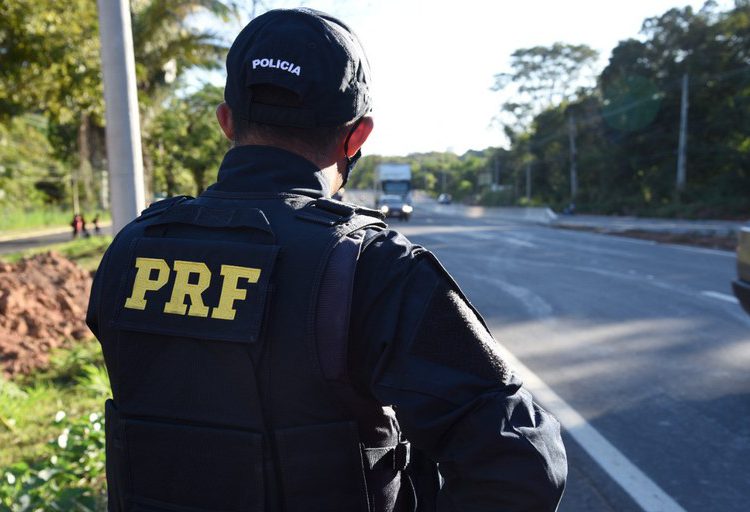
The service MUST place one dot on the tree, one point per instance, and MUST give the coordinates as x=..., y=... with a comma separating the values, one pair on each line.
x=186, y=143
x=641, y=85
x=542, y=77
x=627, y=127
x=51, y=66
x=166, y=44
x=29, y=173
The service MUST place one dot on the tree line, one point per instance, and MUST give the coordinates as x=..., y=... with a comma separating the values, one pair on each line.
x=610, y=143
x=52, y=130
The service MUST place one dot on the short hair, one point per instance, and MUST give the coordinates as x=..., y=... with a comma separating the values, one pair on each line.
x=315, y=142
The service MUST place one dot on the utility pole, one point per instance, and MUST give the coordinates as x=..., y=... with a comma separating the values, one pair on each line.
x=528, y=181
x=124, y=157
x=682, y=148
x=496, y=174
x=573, y=157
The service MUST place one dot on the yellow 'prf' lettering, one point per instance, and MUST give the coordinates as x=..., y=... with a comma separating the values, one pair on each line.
x=229, y=291
x=143, y=282
x=183, y=288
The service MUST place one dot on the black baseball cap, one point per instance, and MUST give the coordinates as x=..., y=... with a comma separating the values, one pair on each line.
x=312, y=54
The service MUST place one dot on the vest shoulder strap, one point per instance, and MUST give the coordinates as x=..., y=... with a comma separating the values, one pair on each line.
x=334, y=213
x=160, y=207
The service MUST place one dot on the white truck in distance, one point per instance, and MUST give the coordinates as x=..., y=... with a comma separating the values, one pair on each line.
x=393, y=190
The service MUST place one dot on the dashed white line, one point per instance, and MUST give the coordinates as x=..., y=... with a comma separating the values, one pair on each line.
x=644, y=491
x=720, y=296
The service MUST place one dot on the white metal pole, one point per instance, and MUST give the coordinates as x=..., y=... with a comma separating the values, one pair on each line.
x=528, y=181
x=573, y=157
x=124, y=157
x=682, y=148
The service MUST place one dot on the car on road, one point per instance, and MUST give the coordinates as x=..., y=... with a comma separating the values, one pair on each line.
x=444, y=199
x=392, y=205
x=742, y=284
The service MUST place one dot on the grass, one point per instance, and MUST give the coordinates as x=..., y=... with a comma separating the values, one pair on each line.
x=75, y=383
x=86, y=252
x=52, y=434
x=39, y=218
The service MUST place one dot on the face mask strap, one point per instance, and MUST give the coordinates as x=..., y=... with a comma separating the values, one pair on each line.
x=351, y=162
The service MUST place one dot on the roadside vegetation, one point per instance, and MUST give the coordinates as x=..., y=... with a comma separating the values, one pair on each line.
x=52, y=127
x=42, y=217
x=619, y=129
x=51, y=421
x=52, y=434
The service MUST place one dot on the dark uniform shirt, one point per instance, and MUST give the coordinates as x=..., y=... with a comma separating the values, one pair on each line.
x=416, y=343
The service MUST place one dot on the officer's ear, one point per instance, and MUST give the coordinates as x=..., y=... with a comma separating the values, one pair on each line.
x=224, y=116
x=358, y=136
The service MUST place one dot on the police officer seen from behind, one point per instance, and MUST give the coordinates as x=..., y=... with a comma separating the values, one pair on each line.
x=271, y=349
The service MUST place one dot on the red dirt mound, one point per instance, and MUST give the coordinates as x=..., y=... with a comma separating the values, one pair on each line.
x=42, y=306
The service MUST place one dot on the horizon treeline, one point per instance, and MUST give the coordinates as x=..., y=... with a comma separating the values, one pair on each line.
x=621, y=130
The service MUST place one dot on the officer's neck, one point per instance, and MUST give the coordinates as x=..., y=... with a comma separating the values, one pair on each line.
x=330, y=168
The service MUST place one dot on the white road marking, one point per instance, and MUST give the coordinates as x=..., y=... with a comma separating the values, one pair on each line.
x=500, y=237
x=703, y=250
x=519, y=242
x=721, y=296
x=481, y=236
x=644, y=491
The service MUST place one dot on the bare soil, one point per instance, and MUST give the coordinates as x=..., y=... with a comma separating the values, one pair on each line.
x=43, y=302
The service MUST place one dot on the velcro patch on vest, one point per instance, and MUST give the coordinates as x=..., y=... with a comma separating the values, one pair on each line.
x=207, y=290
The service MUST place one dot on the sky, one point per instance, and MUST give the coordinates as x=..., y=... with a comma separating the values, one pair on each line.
x=433, y=62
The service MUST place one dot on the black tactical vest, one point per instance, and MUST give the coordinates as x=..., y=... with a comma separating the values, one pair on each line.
x=227, y=356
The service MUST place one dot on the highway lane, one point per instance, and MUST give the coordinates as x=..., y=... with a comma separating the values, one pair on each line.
x=643, y=340
x=32, y=241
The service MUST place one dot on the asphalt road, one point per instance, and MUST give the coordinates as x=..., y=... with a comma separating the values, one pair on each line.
x=22, y=244
x=644, y=341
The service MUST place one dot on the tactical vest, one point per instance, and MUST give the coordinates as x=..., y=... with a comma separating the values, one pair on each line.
x=228, y=362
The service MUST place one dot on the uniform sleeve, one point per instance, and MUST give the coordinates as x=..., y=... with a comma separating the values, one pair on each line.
x=418, y=345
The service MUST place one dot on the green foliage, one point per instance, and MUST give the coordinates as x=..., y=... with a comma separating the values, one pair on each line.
x=165, y=45
x=30, y=176
x=543, y=76
x=30, y=409
x=53, y=45
x=497, y=198
x=71, y=478
x=18, y=219
x=51, y=67
x=626, y=130
x=186, y=143
x=52, y=435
